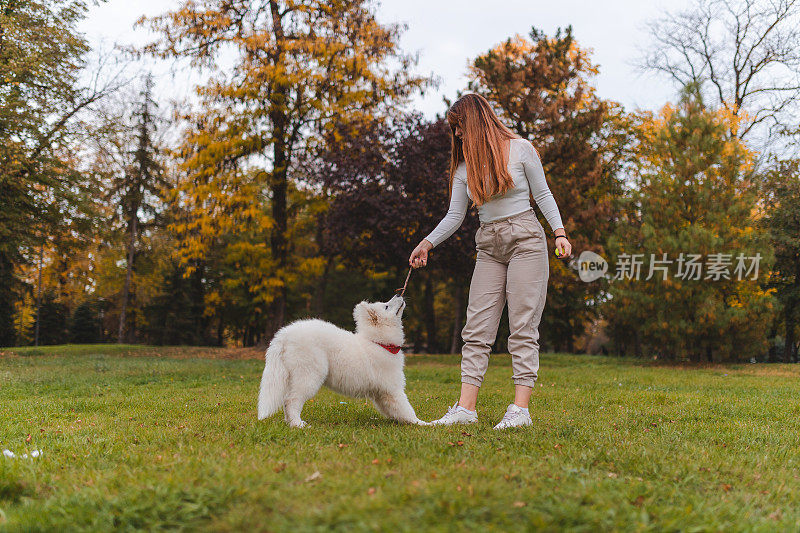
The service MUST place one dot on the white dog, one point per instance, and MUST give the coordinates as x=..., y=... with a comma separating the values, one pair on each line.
x=307, y=354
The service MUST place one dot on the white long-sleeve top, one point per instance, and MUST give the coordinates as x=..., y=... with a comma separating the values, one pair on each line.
x=525, y=167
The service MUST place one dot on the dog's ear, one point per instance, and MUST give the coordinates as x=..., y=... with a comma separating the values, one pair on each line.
x=373, y=315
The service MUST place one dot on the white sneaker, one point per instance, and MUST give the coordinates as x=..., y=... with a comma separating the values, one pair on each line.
x=456, y=415
x=515, y=417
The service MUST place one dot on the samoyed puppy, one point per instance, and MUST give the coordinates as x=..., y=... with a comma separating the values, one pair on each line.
x=307, y=354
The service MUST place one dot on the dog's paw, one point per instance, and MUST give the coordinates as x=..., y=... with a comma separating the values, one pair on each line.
x=301, y=424
x=422, y=422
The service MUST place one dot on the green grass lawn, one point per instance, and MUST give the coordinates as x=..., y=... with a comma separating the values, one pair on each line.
x=168, y=438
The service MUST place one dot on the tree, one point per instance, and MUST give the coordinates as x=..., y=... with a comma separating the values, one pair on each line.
x=297, y=66
x=8, y=297
x=42, y=55
x=52, y=317
x=782, y=193
x=388, y=184
x=138, y=187
x=176, y=315
x=541, y=88
x=85, y=326
x=694, y=192
x=743, y=51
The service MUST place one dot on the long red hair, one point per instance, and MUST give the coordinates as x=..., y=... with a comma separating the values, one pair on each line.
x=484, y=147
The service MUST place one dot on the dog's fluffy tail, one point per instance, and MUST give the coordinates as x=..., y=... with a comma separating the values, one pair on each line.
x=273, y=381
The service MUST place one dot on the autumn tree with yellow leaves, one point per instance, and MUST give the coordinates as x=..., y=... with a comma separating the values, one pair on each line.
x=296, y=66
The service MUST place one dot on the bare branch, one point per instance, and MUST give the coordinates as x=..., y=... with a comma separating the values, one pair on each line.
x=749, y=51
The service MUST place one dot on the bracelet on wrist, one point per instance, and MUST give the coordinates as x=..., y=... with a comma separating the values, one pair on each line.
x=562, y=236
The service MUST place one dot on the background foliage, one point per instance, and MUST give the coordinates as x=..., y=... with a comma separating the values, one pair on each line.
x=298, y=182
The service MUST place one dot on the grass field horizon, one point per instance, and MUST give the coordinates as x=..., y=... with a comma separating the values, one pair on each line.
x=166, y=437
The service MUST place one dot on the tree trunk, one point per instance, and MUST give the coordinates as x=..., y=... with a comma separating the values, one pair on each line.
x=430, y=315
x=322, y=285
x=570, y=343
x=198, y=305
x=789, y=324
x=278, y=247
x=278, y=178
x=126, y=291
x=772, y=354
x=458, y=314
x=39, y=296
x=278, y=235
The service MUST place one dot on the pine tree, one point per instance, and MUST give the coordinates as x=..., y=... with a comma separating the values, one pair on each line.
x=782, y=193
x=137, y=187
x=52, y=318
x=694, y=193
x=85, y=326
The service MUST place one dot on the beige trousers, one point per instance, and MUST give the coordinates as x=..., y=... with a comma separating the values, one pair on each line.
x=511, y=266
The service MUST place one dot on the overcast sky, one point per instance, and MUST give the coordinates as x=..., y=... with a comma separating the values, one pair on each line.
x=448, y=33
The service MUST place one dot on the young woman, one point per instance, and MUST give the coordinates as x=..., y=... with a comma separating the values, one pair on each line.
x=499, y=171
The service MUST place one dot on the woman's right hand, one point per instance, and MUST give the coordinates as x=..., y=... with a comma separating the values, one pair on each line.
x=419, y=257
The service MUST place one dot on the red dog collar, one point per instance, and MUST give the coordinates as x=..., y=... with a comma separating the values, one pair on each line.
x=391, y=348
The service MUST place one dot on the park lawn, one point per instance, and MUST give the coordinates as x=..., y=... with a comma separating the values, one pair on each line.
x=168, y=438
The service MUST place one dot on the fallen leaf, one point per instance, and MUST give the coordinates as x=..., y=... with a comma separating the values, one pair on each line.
x=28, y=438
x=725, y=486
x=519, y=504
x=280, y=468
x=376, y=461
x=613, y=475
x=371, y=491
x=342, y=445
x=314, y=476
x=638, y=501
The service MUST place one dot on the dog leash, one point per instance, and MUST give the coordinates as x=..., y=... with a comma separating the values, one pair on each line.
x=402, y=290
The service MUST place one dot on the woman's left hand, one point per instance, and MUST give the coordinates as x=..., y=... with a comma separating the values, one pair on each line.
x=563, y=246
